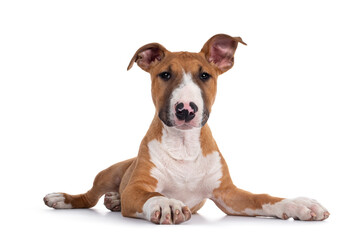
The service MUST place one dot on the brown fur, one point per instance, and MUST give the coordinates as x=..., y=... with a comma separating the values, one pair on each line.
x=107, y=180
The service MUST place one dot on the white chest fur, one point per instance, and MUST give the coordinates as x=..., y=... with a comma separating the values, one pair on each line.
x=182, y=171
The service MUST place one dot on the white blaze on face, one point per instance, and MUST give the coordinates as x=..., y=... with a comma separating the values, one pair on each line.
x=188, y=91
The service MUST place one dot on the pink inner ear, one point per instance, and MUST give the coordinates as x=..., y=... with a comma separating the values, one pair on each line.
x=222, y=52
x=149, y=55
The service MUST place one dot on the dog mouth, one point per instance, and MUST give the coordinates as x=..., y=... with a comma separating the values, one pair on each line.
x=182, y=125
x=185, y=125
x=169, y=119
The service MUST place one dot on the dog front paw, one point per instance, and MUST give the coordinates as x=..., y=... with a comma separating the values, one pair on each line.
x=162, y=210
x=301, y=208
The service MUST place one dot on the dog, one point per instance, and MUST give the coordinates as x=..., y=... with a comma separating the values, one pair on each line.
x=179, y=165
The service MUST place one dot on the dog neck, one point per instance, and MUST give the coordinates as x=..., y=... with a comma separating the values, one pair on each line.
x=181, y=145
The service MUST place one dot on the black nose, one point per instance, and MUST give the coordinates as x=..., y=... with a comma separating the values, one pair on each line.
x=186, y=113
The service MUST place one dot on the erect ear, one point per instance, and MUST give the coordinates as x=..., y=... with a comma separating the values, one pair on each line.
x=220, y=49
x=147, y=56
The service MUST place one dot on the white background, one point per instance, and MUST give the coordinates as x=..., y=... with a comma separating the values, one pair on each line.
x=286, y=117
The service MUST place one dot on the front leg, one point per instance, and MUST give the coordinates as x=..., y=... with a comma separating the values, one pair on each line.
x=234, y=201
x=152, y=206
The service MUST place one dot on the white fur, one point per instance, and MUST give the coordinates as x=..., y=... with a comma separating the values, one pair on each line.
x=56, y=200
x=163, y=204
x=188, y=92
x=181, y=145
x=301, y=208
x=181, y=170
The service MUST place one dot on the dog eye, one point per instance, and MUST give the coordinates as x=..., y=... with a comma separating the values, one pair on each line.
x=165, y=76
x=204, y=76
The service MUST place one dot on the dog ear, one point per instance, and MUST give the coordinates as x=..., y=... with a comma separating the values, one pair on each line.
x=220, y=49
x=148, y=55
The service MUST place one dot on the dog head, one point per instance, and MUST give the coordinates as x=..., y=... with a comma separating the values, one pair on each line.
x=183, y=83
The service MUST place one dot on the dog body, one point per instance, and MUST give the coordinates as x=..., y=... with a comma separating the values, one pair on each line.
x=179, y=165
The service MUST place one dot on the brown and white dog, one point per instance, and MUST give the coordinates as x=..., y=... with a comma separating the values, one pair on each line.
x=179, y=165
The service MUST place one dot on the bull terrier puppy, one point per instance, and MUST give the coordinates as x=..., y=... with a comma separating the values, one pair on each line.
x=179, y=165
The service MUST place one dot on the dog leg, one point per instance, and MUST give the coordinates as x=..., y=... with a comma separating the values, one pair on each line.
x=152, y=206
x=234, y=201
x=112, y=201
x=106, y=181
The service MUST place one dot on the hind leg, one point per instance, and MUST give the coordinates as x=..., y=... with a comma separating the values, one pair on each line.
x=57, y=200
x=106, y=181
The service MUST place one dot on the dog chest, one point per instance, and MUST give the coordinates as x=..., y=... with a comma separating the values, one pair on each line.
x=187, y=181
